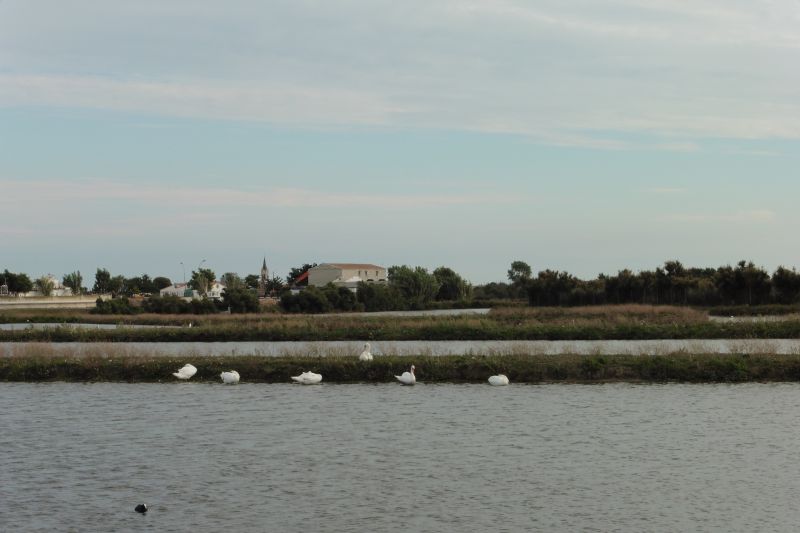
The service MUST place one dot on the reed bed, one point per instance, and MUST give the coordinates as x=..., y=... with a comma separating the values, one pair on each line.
x=425, y=328
x=699, y=368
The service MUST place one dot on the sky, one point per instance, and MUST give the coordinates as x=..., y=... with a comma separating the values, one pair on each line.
x=588, y=136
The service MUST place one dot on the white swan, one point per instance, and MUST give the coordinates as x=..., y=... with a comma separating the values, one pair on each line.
x=408, y=378
x=498, y=380
x=365, y=355
x=308, y=378
x=185, y=372
x=231, y=377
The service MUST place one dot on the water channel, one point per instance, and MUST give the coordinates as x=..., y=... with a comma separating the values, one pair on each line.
x=435, y=458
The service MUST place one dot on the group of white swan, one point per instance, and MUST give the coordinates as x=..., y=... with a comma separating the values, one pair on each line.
x=310, y=378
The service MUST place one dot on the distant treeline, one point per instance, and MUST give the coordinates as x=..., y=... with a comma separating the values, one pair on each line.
x=672, y=284
x=409, y=288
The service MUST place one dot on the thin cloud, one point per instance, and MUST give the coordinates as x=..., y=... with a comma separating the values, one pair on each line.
x=753, y=216
x=65, y=193
x=551, y=70
x=667, y=190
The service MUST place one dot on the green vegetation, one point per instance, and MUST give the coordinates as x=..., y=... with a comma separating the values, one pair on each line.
x=74, y=281
x=674, y=284
x=524, y=323
x=429, y=369
x=44, y=285
x=755, y=310
x=17, y=283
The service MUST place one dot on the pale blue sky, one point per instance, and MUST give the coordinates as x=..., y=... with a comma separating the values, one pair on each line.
x=586, y=136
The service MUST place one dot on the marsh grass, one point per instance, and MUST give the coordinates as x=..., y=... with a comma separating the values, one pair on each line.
x=40, y=365
x=622, y=322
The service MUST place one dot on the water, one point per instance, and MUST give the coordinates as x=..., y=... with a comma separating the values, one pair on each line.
x=325, y=348
x=76, y=325
x=79, y=457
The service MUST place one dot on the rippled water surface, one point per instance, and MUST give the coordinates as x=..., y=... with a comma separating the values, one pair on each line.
x=79, y=457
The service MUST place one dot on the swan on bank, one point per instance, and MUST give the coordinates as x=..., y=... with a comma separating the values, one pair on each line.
x=308, y=378
x=498, y=380
x=231, y=377
x=185, y=372
x=365, y=355
x=407, y=378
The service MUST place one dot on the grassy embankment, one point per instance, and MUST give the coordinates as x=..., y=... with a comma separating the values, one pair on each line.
x=633, y=322
x=441, y=369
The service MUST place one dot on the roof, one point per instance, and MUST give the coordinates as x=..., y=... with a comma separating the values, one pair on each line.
x=352, y=266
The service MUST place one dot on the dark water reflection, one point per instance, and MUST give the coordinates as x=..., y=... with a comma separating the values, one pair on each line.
x=209, y=457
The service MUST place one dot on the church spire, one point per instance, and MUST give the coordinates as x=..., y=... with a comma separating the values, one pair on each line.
x=262, y=281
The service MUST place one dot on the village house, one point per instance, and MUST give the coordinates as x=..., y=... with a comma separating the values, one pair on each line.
x=346, y=274
x=182, y=290
x=58, y=289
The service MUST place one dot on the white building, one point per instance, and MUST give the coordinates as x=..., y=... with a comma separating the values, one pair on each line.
x=182, y=290
x=58, y=289
x=346, y=274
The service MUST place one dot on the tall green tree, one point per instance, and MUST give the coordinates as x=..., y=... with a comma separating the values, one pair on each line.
x=519, y=272
x=102, y=281
x=74, y=281
x=786, y=284
x=451, y=285
x=201, y=280
x=275, y=285
x=418, y=286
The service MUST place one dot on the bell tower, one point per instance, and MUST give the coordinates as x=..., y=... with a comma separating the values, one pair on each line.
x=262, y=280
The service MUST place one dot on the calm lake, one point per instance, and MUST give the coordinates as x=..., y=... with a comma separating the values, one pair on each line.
x=209, y=457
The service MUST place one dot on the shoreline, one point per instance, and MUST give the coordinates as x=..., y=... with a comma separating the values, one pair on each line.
x=686, y=368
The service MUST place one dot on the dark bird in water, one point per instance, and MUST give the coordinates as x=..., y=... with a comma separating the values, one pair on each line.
x=141, y=508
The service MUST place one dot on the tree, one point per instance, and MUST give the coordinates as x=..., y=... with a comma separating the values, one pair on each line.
x=17, y=283
x=786, y=284
x=755, y=281
x=310, y=300
x=138, y=285
x=451, y=285
x=417, y=285
x=240, y=300
x=492, y=291
x=551, y=287
x=376, y=297
x=117, y=285
x=74, y=281
x=251, y=281
x=232, y=280
x=296, y=272
x=201, y=280
x=519, y=273
x=161, y=282
x=45, y=285
x=275, y=285
x=102, y=281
